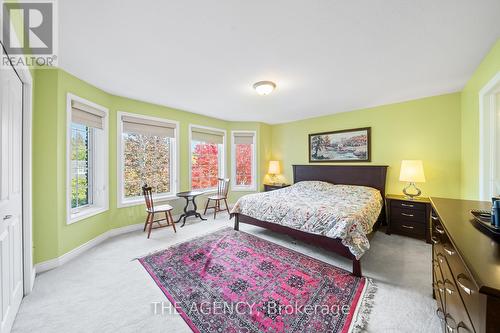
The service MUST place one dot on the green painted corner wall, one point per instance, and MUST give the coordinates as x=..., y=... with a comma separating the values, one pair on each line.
x=409, y=130
x=45, y=228
x=488, y=68
x=52, y=236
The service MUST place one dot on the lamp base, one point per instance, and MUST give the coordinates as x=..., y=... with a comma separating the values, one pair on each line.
x=273, y=179
x=411, y=196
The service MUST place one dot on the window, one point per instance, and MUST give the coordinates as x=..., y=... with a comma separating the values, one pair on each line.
x=147, y=155
x=87, y=159
x=207, y=157
x=244, y=161
x=81, y=165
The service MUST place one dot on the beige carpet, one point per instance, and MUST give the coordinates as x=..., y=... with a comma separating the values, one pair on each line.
x=104, y=290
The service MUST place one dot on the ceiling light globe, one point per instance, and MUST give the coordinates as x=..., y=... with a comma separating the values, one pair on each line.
x=264, y=87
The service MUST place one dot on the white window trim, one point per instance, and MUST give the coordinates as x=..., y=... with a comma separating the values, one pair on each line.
x=174, y=156
x=222, y=172
x=103, y=164
x=488, y=168
x=253, y=186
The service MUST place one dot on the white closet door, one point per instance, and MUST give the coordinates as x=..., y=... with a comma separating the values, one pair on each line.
x=11, y=255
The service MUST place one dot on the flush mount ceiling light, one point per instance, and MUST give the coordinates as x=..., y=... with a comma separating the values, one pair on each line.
x=264, y=87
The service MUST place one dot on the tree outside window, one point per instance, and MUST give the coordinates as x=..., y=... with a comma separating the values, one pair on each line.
x=146, y=161
x=205, y=164
x=244, y=160
x=81, y=137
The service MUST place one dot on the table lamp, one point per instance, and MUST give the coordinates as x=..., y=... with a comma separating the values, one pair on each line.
x=274, y=169
x=412, y=171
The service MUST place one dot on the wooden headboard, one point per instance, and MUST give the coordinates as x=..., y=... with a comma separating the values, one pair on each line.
x=362, y=175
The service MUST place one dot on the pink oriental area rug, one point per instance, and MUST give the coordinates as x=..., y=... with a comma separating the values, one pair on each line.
x=231, y=281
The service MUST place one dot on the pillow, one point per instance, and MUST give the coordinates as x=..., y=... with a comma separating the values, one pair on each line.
x=314, y=185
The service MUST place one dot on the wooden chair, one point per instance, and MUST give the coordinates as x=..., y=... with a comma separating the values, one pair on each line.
x=152, y=210
x=222, y=189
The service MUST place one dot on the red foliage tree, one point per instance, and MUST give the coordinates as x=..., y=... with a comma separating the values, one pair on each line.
x=244, y=164
x=204, y=165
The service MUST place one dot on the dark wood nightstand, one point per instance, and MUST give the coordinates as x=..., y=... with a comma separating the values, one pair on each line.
x=408, y=217
x=272, y=187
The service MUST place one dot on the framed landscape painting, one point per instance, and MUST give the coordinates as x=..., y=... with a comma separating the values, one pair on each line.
x=352, y=145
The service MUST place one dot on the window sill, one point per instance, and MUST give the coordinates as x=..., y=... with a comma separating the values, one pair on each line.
x=140, y=201
x=244, y=189
x=208, y=191
x=85, y=213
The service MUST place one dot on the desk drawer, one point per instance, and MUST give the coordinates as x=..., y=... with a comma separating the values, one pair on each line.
x=438, y=286
x=465, y=285
x=456, y=318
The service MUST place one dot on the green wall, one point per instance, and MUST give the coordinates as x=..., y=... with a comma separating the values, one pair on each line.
x=52, y=236
x=488, y=68
x=426, y=129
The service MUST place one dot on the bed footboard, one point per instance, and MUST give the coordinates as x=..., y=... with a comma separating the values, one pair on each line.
x=331, y=244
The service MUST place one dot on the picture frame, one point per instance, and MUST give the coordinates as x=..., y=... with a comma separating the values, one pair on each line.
x=350, y=145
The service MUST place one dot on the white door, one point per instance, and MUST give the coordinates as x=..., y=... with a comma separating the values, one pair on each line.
x=11, y=255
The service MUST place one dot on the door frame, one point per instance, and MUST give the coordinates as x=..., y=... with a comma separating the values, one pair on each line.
x=29, y=271
x=488, y=131
x=26, y=77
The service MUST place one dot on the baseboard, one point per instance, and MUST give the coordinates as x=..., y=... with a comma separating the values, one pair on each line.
x=46, y=265
x=33, y=275
x=56, y=262
x=125, y=230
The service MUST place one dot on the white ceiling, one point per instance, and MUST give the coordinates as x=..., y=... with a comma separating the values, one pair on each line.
x=325, y=56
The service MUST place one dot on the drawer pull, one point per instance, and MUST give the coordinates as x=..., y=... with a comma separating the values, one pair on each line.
x=440, y=286
x=440, y=257
x=407, y=226
x=464, y=283
x=452, y=327
x=408, y=215
x=406, y=205
x=448, y=286
x=440, y=314
x=439, y=229
x=435, y=218
x=434, y=240
x=462, y=327
x=448, y=250
x=450, y=323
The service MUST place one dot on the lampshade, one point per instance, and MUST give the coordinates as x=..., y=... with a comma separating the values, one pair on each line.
x=274, y=167
x=412, y=171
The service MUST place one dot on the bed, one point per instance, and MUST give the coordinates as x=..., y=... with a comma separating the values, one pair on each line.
x=332, y=206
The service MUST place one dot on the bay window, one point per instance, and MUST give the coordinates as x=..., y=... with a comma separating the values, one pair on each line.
x=87, y=159
x=207, y=157
x=147, y=155
x=244, y=161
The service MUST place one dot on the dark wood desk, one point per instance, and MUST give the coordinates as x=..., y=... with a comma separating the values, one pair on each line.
x=190, y=197
x=466, y=268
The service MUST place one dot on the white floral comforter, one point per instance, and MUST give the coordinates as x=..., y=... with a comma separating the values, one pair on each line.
x=337, y=211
